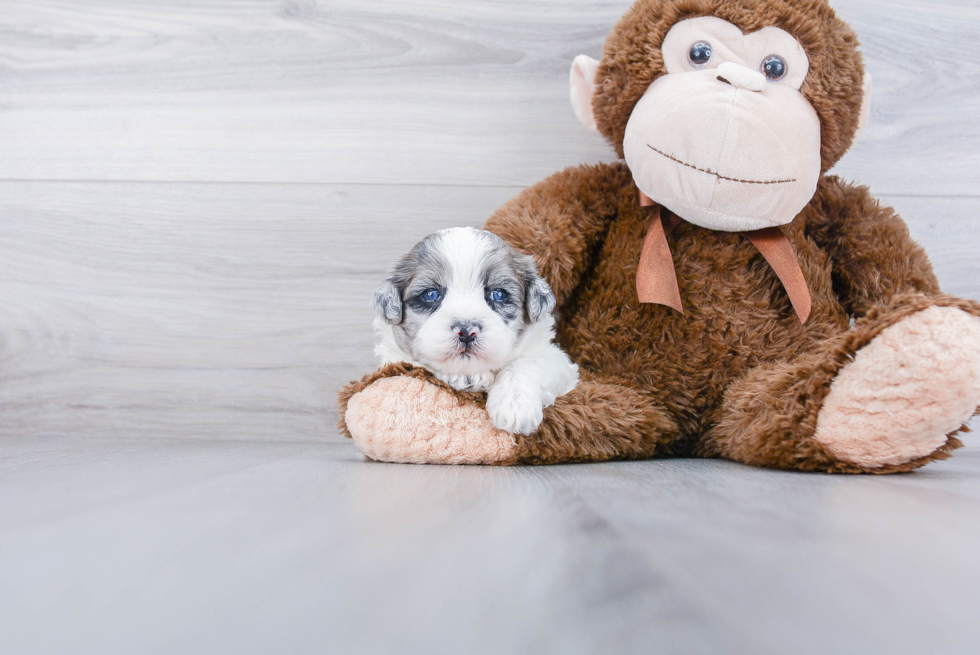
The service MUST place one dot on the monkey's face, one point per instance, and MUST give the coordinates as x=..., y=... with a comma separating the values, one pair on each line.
x=723, y=136
x=725, y=139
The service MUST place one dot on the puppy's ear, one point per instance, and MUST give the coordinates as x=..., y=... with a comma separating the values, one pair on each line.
x=538, y=300
x=387, y=303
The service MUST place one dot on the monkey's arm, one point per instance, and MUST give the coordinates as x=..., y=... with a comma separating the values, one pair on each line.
x=562, y=219
x=874, y=258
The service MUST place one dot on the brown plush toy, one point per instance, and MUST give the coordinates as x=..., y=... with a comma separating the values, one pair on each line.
x=721, y=294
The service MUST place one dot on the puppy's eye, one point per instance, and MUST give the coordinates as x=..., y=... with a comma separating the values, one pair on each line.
x=774, y=67
x=700, y=54
x=430, y=295
x=498, y=295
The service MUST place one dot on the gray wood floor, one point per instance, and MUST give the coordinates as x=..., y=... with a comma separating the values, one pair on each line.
x=177, y=546
x=196, y=199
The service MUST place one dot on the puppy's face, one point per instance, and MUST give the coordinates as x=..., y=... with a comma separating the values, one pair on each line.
x=461, y=300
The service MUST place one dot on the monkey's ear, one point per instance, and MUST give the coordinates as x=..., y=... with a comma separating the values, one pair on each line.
x=387, y=303
x=865, y=106
x=582, y=79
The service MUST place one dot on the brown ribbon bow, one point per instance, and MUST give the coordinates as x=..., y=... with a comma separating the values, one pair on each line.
x=656, y=279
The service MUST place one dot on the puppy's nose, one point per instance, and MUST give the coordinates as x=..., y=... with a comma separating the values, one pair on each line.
x=467, y=332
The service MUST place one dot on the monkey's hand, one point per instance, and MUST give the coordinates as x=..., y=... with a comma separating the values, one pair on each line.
x=403, y=414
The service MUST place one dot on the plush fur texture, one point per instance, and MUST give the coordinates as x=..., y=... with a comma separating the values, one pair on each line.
x=736, y=375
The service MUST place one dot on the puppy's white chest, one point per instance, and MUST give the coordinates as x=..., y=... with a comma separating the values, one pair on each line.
x=472, y=383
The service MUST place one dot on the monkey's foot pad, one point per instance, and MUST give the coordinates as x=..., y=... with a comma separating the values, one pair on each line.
x=914, y=384
x=410, y=421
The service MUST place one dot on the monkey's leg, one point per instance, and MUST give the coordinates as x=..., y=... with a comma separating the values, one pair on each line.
x=886, y=396
x=401, y=414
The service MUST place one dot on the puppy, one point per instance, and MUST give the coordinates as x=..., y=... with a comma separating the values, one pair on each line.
x=474, y=311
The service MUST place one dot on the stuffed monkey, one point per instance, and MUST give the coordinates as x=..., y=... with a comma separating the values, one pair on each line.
x=722, y=295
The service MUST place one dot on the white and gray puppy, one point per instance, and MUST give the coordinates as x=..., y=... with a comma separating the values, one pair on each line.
x=474, y=311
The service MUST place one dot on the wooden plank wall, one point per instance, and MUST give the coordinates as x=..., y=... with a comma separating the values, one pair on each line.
x=198, y=196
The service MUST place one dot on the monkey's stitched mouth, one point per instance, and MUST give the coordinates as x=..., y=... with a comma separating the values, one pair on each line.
x=708, y=171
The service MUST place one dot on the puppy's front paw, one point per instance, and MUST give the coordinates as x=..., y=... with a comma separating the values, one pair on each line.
x=515, y=407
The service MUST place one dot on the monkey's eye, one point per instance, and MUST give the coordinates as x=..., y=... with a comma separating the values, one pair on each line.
x=774, y=67
x=430, y=295
x=700, y=54
x=498, y=295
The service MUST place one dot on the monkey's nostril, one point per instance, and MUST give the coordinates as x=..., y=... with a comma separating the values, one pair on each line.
x=747, y=87
x=741, y=77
